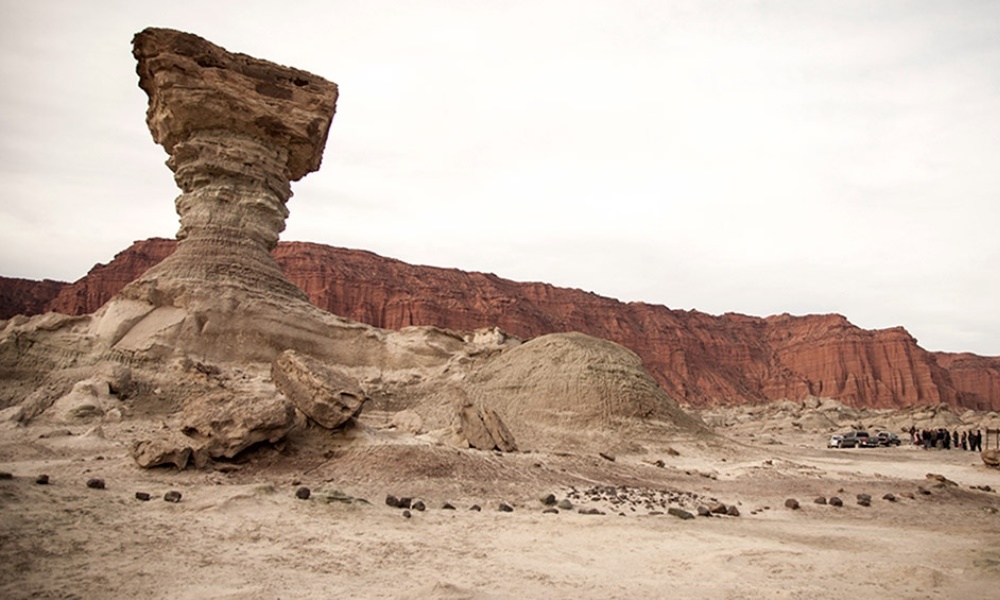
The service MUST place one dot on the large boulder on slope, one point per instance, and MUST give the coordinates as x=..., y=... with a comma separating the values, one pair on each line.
x=169, y=448
x=484, y=430
x=325, y=394
x=223, y=424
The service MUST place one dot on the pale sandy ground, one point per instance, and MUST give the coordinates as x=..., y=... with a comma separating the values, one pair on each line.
x=243, y=534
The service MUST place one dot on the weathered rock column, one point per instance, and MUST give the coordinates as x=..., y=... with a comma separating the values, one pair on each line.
x=238, y=130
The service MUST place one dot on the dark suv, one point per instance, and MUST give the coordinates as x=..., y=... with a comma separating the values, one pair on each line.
x=853, y=439
x=886, y=438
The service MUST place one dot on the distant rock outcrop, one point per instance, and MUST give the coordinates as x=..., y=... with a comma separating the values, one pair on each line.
x=27, y=296
x=700, y=359
x=977, y=378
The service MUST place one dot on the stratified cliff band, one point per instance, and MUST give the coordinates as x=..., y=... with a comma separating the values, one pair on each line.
x=698, y=358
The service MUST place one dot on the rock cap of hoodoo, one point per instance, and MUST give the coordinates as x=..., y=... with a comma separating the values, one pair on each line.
x=194, y=85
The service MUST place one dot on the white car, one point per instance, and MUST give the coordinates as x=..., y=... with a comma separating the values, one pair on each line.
x=835, y=441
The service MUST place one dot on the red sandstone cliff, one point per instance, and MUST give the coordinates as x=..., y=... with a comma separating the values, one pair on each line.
x=977, y=376
x=699, y=359
x=26, y=296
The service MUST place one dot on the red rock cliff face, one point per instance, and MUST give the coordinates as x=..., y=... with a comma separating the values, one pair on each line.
x=699, y=359
x=26, y=296
x=977, y=376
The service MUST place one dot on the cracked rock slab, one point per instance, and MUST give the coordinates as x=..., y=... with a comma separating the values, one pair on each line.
x=327, y=395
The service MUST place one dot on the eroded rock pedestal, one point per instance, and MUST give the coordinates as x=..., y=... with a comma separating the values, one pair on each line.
x=238, y=130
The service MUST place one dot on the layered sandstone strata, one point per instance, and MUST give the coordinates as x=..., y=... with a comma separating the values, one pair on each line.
x=699, y=358
x=238, y=130
x=27, y=296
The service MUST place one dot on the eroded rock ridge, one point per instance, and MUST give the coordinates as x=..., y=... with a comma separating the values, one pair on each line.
x=700, y=359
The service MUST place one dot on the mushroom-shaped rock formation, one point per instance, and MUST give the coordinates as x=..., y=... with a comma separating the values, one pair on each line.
x=237, y=129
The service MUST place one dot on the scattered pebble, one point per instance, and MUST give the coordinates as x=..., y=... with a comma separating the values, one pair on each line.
x=447, y=506
x=607, y=456
x=835, y=501
x=419, y=505
x=940, y=480
x=820, y=500
x=565, y=504
x=476, y=507
x=55, y=433
x=6, y=475
x=889, y=497
x=550, y=511
x=42, y=479
x=407, y=514
x=549, y=500
x=732, y=511
x=792, y=503
x=680, y=513
x=864, y=500
x=589, y=511
x=303, y=493
x=392, y=501
x=504, y=507
x=172, y=496
x=142, y=496
x=95, y=483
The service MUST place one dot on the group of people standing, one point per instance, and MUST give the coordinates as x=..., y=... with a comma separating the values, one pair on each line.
x=942, y=438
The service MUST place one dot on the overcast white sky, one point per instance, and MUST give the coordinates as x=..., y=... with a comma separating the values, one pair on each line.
x=753, y=157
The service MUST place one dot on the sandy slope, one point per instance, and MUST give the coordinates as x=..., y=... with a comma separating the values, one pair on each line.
x=244, y=534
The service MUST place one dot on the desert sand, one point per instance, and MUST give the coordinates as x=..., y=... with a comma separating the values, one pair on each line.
x=239, y=530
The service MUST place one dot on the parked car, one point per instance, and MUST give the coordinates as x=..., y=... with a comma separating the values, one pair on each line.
x=868, y=442
x=835, y=441
x=886, y=438
x=851, y=439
